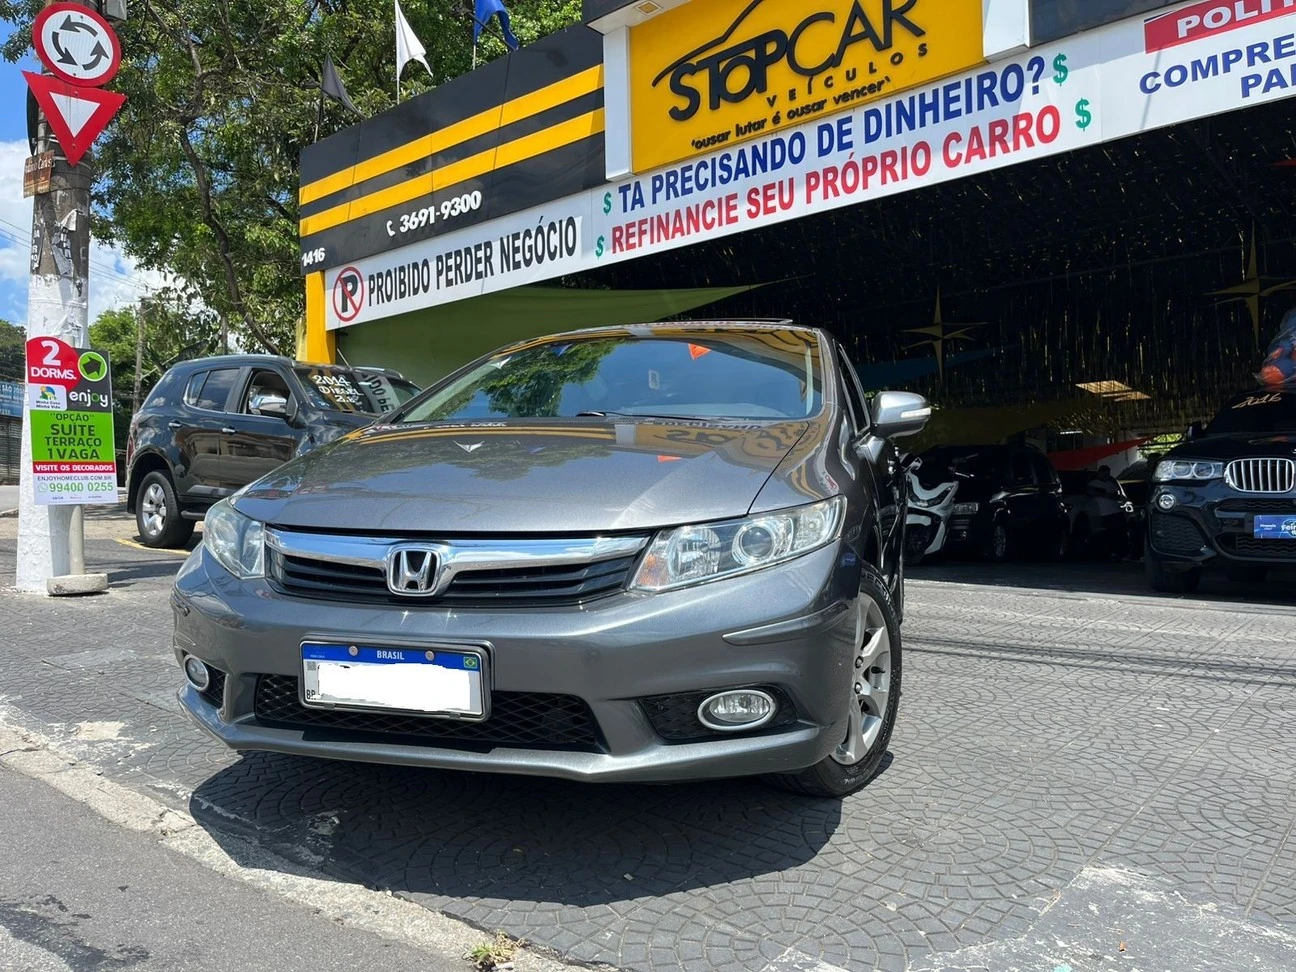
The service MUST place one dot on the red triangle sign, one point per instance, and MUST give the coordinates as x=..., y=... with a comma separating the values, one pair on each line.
x=75, y=114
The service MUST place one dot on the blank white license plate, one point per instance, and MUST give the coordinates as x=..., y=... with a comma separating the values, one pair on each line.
x=431, y=681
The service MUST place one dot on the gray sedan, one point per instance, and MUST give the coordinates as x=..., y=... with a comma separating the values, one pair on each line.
x=652, y=553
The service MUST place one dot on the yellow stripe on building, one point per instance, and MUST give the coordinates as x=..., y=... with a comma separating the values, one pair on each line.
x=551, y=96
x=519, y=150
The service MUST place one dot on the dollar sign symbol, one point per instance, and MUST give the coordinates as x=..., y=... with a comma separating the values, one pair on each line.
x=601, y=247
x=1060, y=67
x=607, y=203
x=1084, y=117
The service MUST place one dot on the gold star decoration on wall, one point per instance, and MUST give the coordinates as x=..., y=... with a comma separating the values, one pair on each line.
x=1251, y=290
x=941, y=333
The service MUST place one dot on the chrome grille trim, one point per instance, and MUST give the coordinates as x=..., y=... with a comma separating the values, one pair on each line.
x=455, y=558
x=1261, y=475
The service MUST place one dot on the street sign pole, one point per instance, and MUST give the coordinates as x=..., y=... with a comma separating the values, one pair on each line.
x=51, y=539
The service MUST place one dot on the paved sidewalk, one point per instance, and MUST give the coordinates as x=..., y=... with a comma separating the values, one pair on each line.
x=1077, y=780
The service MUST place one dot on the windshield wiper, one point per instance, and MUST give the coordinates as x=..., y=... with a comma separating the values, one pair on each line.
x=653, y=415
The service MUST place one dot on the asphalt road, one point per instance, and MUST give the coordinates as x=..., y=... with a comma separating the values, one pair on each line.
x=79, y=894
x=8, y=498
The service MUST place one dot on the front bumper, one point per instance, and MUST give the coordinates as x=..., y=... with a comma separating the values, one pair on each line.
x=791, y=629
x=1211, y=525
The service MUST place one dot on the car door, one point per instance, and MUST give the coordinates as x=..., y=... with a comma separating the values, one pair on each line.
x=198, y=429
x=888, y=482
x=1024, y=495
x=257, y=444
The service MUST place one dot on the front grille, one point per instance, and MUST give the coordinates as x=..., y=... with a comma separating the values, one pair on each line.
x=1260, y=548
x=1262, y=475
x=1175, y=534
x=522, y=719
x=675, y=719
x=567, y=584
x=215, y=690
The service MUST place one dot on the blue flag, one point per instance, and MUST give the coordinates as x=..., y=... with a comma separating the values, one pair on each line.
x=485, y=10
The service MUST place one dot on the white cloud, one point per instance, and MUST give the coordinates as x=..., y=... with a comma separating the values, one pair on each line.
x=115, y=281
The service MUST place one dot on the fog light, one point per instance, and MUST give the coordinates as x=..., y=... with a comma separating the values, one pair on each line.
x=197, y=673
x=1166, y=501
x=731, y=711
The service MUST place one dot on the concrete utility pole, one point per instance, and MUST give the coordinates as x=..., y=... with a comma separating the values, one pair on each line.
x=51, y=540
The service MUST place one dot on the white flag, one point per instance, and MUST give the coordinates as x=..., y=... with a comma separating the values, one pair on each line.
x=408, y=47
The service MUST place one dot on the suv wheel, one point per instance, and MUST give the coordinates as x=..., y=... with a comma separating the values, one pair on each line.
x=1171, y=581
x=998, y=548
x=874, y=700
x=157, y=514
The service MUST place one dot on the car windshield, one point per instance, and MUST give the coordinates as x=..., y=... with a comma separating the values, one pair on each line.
x=1259, y=413
x=766, y=374
x=345, y=390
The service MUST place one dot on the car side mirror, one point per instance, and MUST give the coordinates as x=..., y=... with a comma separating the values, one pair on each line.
x=274, y=405
x=897, y=414
x=1194, y=431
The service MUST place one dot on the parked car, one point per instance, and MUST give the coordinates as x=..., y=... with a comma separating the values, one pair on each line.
x=1009, y=501
x=1226, y=497
x=213, y=425
x=652, y=553
x=1100, y=515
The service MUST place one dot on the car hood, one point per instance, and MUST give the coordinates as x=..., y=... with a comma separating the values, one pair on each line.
x=1222, y=448
x=579, y=477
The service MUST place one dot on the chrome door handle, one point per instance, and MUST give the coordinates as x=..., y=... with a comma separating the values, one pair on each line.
x=173, y=425
x=228, y=431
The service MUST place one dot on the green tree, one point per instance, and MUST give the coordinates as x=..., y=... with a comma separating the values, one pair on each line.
x=173, y=330
x=13, y=352
x=198, y=175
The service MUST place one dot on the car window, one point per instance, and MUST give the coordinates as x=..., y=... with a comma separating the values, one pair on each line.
x=215, y=389
x=336, y=390
x=387, y=392
x=165, y=393
x=854, y=393
x=1020, y=469
x=690, y=373
x=263, y=383
x=1044, y=472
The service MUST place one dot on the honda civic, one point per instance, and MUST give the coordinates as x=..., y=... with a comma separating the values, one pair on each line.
x=650, y=553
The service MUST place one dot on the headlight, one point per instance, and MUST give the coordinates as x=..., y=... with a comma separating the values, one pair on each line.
x=966, y=509
x=1186, y=469
x=710, y=551
x=236, y=542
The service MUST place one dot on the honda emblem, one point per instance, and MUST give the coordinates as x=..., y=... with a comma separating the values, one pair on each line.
x=411, y=571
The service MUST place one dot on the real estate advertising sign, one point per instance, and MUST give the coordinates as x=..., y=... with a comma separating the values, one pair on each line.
x=69, y=394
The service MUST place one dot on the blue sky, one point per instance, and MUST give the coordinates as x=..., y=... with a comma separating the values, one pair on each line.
x=113, y=279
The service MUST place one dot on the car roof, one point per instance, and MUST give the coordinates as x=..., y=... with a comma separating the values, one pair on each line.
x=244, y=361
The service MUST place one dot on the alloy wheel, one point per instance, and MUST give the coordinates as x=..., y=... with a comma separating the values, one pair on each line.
x=870, y=676
x=999, y=541
x=153, y=509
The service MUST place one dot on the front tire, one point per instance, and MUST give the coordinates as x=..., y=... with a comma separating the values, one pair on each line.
x=157, y=514
x=998, y=546
x=875, y=700
x=1171, y=581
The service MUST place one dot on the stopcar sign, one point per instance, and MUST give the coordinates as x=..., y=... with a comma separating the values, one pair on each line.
x=77, y=44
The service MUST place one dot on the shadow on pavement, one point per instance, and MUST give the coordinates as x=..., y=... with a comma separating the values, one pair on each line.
x=447, y=837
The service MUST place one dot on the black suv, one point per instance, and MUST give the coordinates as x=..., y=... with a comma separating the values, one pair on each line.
x=1009, y=501
x=1227, y=496
x=214, y=425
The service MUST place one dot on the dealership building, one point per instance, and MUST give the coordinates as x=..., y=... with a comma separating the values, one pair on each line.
x=1042, y=213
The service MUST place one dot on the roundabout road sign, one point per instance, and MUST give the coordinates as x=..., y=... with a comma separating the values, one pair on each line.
x=77, y=44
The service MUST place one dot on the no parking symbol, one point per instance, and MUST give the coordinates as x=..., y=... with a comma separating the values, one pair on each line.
x=348, y=294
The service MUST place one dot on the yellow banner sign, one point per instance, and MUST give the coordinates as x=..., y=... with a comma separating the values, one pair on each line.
x=716, y=72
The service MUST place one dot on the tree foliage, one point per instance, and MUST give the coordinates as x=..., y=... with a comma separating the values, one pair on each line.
x=13, y=352
x=198, y=175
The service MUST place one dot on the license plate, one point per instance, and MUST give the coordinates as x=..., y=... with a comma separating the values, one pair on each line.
x=1281, y=527
x=430, y=681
